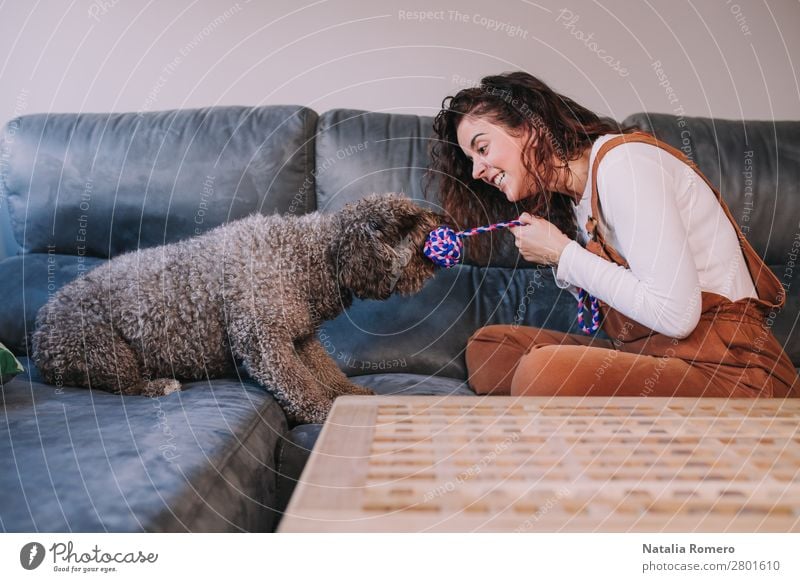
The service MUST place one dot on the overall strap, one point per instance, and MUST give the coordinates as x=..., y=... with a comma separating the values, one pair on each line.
x=767, y=286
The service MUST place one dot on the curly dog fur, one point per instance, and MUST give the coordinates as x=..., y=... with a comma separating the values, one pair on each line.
x=253, y=291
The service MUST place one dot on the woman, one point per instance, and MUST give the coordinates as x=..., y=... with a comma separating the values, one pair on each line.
x=629, y=220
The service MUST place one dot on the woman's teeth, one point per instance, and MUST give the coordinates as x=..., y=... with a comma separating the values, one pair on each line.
x=499, y=179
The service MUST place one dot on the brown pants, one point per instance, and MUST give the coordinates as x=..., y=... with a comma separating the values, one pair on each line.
x=528, y=361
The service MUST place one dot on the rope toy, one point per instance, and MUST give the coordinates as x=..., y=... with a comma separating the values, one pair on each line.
x=445, y=248
x=595, y=308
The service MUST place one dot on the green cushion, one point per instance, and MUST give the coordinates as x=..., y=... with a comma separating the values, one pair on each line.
x=9, y=366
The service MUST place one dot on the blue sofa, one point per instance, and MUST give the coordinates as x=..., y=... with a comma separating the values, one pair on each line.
x=220, y=455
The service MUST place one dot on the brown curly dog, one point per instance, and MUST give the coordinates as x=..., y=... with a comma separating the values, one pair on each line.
x=253, y=291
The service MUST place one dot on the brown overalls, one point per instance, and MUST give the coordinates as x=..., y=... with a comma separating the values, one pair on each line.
x=731, y=353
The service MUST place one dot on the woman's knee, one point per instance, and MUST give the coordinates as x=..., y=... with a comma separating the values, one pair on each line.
x=489, y=341
x=495, y=352
x=554, y=371
x=492, y=355
x=490, y=333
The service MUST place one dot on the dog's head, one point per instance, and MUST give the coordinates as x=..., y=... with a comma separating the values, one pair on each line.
x=380, y=250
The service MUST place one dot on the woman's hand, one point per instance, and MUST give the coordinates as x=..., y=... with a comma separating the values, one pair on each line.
x=539, y=241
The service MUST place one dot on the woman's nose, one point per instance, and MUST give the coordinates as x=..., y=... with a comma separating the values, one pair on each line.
x=478, y=169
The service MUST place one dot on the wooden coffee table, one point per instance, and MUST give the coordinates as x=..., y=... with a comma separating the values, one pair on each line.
x=465, y=463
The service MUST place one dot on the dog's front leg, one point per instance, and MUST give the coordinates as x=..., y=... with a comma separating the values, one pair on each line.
x=319, y=362
x=275, y=364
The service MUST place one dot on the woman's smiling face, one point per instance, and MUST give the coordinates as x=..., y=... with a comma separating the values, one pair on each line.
x=496, y=156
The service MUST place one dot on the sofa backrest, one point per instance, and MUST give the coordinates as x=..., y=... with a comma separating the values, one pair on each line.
x=103, y=184
x=359, y=152
x=79, y=188
x=147, y=175
x=754, y=164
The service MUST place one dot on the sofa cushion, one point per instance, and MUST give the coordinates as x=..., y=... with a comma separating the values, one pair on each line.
x=360, y=152
x=755, y=165
x=426, y=333
x=786, y=323
x=404, y=384
x=102, y=184
x=26, y=283
x=73, y=459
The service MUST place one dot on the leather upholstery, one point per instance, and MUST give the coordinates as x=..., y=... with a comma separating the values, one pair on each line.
x=426, y=333
x=84, y=187
x=756, y=167
x=766, y=203
x=26, y=283
x=93, y=186
x=87, y=461
x=360, y=152
x=101, y=185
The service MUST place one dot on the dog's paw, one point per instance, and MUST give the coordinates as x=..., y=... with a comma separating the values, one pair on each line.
x=160, y=387
x=313, y=415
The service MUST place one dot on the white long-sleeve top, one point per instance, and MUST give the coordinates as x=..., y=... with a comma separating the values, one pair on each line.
x=667, y=224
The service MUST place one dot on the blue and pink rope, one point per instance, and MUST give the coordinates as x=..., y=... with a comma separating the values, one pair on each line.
x=445, y=248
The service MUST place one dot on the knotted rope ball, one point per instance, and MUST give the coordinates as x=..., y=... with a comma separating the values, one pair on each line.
x=445, y=248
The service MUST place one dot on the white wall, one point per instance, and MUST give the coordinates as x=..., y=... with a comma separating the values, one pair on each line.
x=719, y=57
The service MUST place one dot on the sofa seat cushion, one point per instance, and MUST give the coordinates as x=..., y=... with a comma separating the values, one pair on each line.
x=295, y=448
x=413, y=385
x=426, y=333
x=73, y=459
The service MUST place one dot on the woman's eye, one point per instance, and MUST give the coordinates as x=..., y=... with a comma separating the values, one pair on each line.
x=482, y=150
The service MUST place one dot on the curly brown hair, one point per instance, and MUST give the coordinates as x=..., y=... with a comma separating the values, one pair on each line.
x=525, y=107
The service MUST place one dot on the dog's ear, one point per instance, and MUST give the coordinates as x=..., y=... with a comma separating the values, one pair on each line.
x=382, y=244
x=364, y=251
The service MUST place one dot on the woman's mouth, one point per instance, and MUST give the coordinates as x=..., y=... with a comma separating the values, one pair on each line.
x=498, y=179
